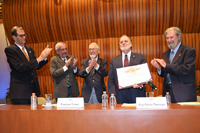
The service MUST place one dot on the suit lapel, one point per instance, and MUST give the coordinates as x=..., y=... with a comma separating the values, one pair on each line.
x=178, y=54
x=29, y=52
x=21, y=54
x=132, y=59
x=60, y=60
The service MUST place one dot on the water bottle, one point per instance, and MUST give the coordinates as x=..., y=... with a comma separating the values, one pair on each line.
x=104, y=100
x=168, y=98
x=112, y=101
x=33, y=101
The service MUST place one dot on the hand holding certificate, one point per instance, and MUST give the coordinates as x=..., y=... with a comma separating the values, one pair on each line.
x=127, y=76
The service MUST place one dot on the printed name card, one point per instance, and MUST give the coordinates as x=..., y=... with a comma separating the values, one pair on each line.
x=77, y=102
x=151, y=103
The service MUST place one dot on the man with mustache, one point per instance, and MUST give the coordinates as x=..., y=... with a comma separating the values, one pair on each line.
x=22, y=61
x=178, y=68
x=93, y=70
x=127, y=95
x=64, y=69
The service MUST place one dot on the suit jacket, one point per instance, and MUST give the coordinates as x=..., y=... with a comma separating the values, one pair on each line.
x=113, y=87
x=61, y=77
x=95, y=79
x=182, y=73
x=23, y=77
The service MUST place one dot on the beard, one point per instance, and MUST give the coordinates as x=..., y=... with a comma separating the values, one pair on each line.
x=172, y=45
x=125, y=48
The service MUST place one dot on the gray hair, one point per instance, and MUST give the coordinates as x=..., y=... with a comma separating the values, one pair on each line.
x=95, y=44
x=176, y=30
x=14, y=30
x=58, y=45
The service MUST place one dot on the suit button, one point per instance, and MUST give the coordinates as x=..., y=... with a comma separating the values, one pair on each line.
x=31, y=73
x=31, y=81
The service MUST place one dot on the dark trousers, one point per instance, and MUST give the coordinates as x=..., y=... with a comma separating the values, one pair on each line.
x=21, y=101
x=169, y=89
x=69, y=93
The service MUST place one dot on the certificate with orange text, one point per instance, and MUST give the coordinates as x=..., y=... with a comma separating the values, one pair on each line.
x=127, y=76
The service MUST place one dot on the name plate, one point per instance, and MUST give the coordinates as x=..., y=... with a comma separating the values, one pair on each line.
x=151, y=103
x=77, y=102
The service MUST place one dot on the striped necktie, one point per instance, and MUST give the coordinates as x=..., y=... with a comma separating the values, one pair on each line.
x=25, y=54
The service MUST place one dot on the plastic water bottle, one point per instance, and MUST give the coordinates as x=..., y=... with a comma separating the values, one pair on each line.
x=33, y=101
x=168, y=98
x=104, y=100
x=112, y=101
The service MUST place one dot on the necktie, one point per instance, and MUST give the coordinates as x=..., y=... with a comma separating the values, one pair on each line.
x=25, y=54
x=126, y=61
x=171, y=56
x=170, y=61
x=68, y=82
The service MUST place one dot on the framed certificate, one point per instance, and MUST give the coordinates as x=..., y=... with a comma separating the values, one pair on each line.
x=127, y=76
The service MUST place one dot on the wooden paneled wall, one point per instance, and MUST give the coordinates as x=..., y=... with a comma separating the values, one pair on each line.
x=80, y=22
x=61, y=20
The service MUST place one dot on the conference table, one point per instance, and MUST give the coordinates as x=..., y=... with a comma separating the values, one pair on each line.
x=95, y=119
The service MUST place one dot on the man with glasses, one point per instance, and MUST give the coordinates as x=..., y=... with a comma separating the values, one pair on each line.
x=22, y=61
x=64, y=69
x=178, y=68
x=93, y=70
x=127, y=58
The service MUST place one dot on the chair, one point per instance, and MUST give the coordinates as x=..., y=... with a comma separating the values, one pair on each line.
x=41, y=100
x=53, y=101
x=198, y=98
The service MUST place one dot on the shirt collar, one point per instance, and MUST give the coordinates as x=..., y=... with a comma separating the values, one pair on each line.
x=95, y=58
x=128, y=54
x=19, y=46
x=176, y=49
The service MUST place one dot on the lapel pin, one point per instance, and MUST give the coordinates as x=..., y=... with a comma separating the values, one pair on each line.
x=179, y=54
x=133, y=55
x=29, y=51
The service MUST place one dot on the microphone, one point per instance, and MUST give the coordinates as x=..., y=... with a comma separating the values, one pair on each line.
x=152, y=85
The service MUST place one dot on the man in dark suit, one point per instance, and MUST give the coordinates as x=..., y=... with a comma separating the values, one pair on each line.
x=63, y=69
x=93, y=70
x=127, y=95
x=178, y=68
x=22, y=61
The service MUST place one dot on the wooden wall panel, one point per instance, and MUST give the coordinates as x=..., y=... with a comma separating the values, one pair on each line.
x=51, y=20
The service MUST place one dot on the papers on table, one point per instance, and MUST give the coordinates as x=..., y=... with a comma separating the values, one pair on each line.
x=127, y=76
x=189, y=103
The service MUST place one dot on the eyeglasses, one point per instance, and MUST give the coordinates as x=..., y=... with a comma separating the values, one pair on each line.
x=22, y=35
x=90, y=49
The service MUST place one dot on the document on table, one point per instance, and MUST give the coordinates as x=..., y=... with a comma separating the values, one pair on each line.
x=127, y=76
x=189, y=103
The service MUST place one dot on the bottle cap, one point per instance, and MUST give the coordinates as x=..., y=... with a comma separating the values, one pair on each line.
x=104, y=92
x=112, y=94
x=33, y=94
x=167, y=93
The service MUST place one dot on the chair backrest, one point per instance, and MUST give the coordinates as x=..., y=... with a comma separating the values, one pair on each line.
x=41, y=100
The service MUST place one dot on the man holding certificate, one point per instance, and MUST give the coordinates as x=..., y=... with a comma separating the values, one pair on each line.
x=127, y=58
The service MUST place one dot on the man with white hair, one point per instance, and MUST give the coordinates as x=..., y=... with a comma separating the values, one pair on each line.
x=64, y=70
x=93, y=70
x=178, y=68
x=127, y=58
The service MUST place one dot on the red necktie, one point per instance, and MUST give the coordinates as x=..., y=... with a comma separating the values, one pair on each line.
x=125, y=61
